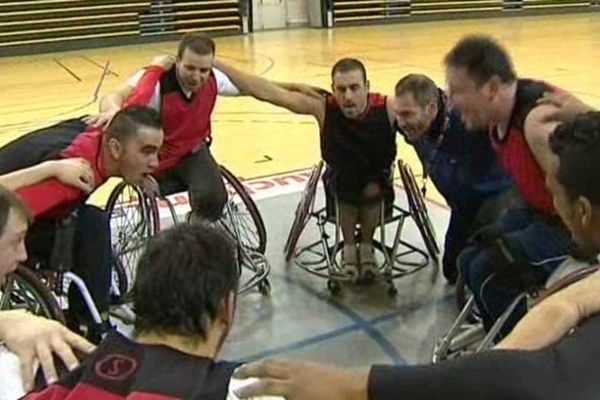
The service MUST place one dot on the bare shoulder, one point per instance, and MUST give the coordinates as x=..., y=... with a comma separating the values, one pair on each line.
x=538, y=125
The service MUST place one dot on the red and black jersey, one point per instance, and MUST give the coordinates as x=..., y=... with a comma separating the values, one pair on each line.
x=66, y=139
x=359, y=149
x=186, y=121
x=122, y=369
x=514, y=153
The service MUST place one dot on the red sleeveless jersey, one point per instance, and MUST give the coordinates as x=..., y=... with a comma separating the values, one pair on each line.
x=514, y=153
x=186, y=121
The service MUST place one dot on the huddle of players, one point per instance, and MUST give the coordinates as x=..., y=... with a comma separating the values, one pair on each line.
x=483, y=142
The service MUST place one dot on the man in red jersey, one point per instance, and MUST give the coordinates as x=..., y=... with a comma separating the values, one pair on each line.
x=358, y=144
x=184, y=91
x=528, y=241
x=128, y=149
x=184, y=94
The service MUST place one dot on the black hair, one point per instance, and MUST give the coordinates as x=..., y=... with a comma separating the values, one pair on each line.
x=198, y=43
x=183, y=279
x=347, y=65
x=420, y=86
x=577, y=144
x=125, y=124
x=483, y=58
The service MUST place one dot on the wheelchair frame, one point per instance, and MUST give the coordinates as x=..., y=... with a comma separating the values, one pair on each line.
x=325, y=264
x=468, y=338
x=42, y=291
x=250, y=249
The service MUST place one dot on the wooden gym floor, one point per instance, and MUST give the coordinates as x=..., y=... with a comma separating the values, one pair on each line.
x=256, y=139
x=253, y=139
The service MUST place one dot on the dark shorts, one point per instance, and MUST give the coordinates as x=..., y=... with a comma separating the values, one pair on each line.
x=352, y=192
x=200, y=175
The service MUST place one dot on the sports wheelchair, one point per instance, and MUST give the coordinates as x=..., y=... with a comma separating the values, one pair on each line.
x=467, y=335
x=135, y=217
x=400, y=258
x=44, y=289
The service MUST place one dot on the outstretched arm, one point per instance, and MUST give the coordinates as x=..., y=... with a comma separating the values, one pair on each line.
x=112, y=102
x=265, y=90
x=309, y=90
x=554, y=317
x=542, y=374
x=73, y=171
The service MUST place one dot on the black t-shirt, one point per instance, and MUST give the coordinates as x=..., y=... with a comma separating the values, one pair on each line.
x=568, y=370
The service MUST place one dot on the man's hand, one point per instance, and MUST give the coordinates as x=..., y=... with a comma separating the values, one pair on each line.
x=298, y=380
x=102, y=120
x=163, y=61
x=74, y=172
x=567, y=106
x=34, y=339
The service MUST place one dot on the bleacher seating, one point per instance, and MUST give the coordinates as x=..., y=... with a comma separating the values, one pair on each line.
x=369, y=11
x=36, y=22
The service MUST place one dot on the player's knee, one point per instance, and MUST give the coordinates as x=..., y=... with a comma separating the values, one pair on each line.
x=209, y=204
x=474, y=266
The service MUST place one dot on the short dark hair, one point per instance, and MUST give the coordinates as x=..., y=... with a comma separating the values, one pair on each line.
x=483, y=58
x=347, y=65
x=420, y=86
x=128, y=120
x=182, y=280
x=577, y=144
x=198, y=43
x=9, y=201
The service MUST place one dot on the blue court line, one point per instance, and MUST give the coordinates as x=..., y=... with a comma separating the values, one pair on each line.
x=311, y=341
x=359, y=323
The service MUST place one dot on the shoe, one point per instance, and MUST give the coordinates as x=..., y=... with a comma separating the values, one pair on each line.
x=350, y=262
x=368, y=263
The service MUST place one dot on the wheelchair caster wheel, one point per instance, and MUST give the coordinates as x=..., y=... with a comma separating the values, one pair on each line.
x=392, y=291
x=334, y=287
x=264, y=287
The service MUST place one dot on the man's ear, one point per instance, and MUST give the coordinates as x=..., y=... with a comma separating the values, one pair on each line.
x=494, y=85
x=432, y=108
x=228, y=308
x=115, y=148
x=584, y=209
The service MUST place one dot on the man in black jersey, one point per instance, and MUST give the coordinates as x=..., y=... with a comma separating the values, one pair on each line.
x=357, y=143
x=184, y=299
x=552, y=354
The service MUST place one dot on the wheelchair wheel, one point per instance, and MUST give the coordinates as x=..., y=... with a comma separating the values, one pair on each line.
x=244, y=217
x=418, y=210
x=302, y=211
x=133, y=220
x=25, y=291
